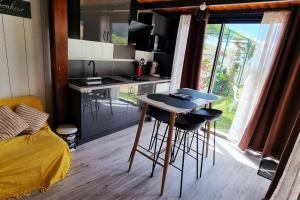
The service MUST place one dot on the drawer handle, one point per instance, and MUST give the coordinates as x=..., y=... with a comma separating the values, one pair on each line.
x=108, y=36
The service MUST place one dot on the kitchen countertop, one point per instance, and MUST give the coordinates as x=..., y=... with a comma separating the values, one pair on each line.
x=125, y=81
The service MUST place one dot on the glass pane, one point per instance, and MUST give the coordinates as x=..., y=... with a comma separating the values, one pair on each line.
x=210, y=45
x=237, y=49
x=119, y=33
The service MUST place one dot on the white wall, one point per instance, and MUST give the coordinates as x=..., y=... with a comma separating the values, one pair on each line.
x=25, y=55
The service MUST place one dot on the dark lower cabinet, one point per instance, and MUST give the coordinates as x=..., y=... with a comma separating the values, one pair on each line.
x=101, y=112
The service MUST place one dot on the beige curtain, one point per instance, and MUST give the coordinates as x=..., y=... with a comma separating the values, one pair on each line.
x=289, y=184
x=181, y=41
x=271, y=31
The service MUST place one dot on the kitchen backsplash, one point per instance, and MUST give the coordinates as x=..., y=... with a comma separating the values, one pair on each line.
x=80, y=68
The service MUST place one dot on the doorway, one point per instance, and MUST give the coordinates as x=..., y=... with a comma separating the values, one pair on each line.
x=228, y=49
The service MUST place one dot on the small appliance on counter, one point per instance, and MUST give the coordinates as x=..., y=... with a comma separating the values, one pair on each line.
x=153, y=70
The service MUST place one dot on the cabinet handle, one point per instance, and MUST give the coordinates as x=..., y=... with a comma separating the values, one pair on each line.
x=108, y=36
x=104, y=34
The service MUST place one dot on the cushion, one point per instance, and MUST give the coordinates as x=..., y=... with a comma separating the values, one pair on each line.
x=35, y=118
x=10, y=123
x=209, y=113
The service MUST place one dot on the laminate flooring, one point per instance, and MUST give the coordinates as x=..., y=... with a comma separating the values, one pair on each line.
x=99, y=171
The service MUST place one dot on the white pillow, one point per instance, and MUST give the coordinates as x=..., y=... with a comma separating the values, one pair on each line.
x=35, y=118
x=11, y=124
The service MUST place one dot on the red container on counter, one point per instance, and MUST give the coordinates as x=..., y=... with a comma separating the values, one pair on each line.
x=139, y=70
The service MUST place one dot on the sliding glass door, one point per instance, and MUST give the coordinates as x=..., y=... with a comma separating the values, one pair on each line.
x=209, y=52
x=228, y=50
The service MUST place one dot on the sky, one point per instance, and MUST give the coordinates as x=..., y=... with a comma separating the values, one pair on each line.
x=250, y=30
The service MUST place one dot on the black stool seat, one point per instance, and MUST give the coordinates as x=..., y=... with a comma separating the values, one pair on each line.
x=208, y=114
x=158, y=114
x=189, y=122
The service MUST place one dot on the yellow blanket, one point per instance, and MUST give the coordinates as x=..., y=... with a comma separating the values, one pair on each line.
x=32, y=162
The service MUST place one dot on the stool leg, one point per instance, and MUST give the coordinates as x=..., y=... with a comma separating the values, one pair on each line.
x=187, y=142
x=197, y=150
x=202, y=155
x=152, y=136
x=207, y=137
x=155, y=145
x=190, y=145
x=156, y=159
x=174, y=146
x=179, y=146
x=214, y=157
x=182, y=168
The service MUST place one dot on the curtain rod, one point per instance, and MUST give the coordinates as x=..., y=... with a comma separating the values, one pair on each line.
x=231, y=7
x=257, y=5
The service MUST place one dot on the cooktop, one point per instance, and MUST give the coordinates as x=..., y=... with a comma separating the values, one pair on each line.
x=135, y=77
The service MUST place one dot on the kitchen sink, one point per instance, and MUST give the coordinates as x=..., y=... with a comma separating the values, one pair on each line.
x=94, y=81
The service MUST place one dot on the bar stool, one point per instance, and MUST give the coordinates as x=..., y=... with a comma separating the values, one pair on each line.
x=210, y=115
x=188, y=123
x=160, y=116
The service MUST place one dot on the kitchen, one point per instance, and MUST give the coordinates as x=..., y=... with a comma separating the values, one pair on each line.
x=114, y=55
x=149, y=99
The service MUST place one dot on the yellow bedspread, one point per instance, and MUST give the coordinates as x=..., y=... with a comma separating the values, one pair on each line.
x=32, y=162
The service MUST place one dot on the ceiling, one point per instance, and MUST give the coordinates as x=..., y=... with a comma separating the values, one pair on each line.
x=90, y=3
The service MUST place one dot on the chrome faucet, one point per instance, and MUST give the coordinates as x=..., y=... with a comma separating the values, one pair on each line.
x=94, y=67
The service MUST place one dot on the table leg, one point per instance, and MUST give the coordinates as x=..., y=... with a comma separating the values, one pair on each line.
x=138, y=134
x=208, y=132
x=168, y=151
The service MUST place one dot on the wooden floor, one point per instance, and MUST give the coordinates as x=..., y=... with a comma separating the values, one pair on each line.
x=99, y=171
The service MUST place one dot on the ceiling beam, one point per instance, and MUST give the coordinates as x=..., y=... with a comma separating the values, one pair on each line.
x=154, y=4
x=255, y=6
x=231, y=7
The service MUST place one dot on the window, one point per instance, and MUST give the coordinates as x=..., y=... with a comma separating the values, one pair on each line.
x=228, y=49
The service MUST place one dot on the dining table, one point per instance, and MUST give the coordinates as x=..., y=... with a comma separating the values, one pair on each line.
x=168, y=101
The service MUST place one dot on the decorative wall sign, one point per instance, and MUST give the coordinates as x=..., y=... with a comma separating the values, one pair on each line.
x=18, y=8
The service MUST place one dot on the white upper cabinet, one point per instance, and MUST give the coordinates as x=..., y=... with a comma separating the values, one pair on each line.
x=89, y=50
